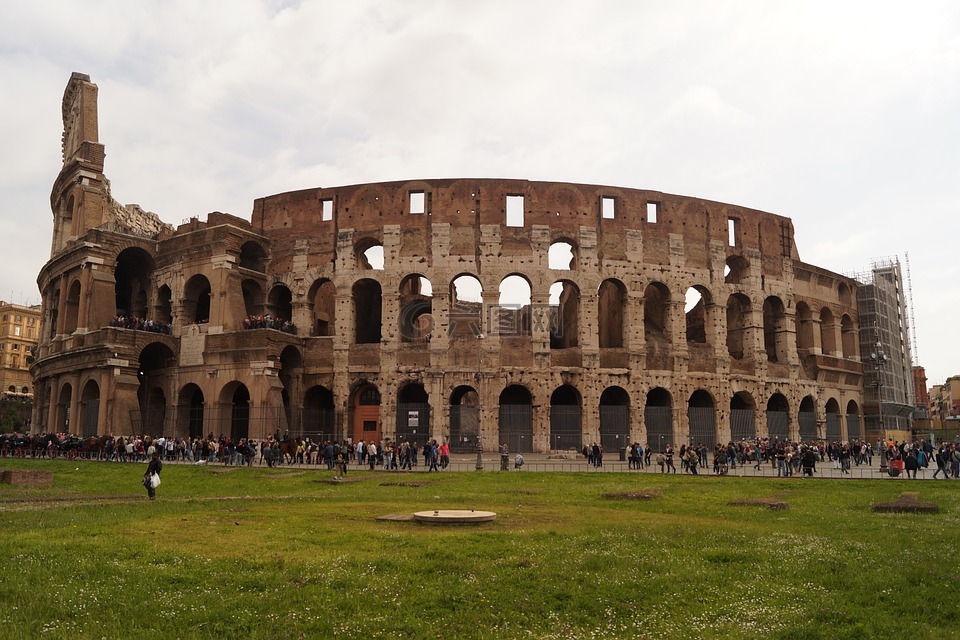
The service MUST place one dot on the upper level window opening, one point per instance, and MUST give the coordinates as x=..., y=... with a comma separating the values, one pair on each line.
x=514, y=211
x=417, y=202
x=608, y=208
x=326, y=209
x=733, y=232
x=653, y=212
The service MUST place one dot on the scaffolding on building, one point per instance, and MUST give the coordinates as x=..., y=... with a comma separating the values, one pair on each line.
x=885, y=347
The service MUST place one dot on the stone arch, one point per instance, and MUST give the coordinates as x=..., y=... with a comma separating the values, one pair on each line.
x=566, y=419
x=845, y=294
x=807, y=420
x=191, y=403
x=774, y=329
x=318, y=419
x=562, y=254
x=611, y=307
x=369, y=253
x=848, y=336
x=514, y=312
x=252, y=297
x=698, y=310
x=323, y=304
x=196, y=299
x=416, y=309
x=367, y=311
x=658, y=416
x=64, y=399
x=614, y=418
x=280, y=303
x=291, y=372
x=72, y=311
x=804, y=328
x=743, y=417
x=164, y=306
x=778, y=417
x=832, y=415
x=464, y=419
x=466, y=306
x=702, y=417
x=656, y=326
x=736, y=270
x=413, y=413
x=854, y=427
x=828, y=332
x=738, y=323
x=133, y=271
x=515, y=419
x=564, y=315
x=155, y=361
x=234, y=401
x=365, y=418
x=89, y=409
x=253, y=256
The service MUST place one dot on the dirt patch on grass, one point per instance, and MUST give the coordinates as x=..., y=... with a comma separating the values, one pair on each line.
x=641, y=494
x=405, y=484
x=773, y=503
x=908, y=502
x=526, y=492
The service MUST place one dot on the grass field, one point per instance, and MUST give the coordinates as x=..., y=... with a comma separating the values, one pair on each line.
x=257, y=553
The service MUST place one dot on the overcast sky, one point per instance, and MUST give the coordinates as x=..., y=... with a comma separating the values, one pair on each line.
x=844, y=116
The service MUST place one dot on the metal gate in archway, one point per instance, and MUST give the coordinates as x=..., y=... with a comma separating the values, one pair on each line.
x=464, y=428
x=807, y=421
x=853, y=427
x=742, y=424
x=413, y=422
x=614, y=427
x=516, y=427
x=703, y=425
x=833, y=427
x=659, y=421
x=565, y=427
x=778, y=425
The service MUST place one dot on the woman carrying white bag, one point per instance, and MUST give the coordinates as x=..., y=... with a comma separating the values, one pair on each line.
x=151, y=479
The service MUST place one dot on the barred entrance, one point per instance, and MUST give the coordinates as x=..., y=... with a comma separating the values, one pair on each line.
x=808, y=426
x=853, y=427
x=614, y=419
x=833, y=427
x=318, y=417
x=565, y=419
x=658, y=416
x=778, y=425
x=743, y=425
x=464, y=420
x=413, y=414
x=702, y=417
x=515, y=419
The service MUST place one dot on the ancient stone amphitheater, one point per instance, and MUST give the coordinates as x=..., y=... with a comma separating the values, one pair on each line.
x=541, y=315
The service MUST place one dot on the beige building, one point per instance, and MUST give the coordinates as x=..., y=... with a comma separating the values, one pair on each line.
x=19, y=327
x=538, y=314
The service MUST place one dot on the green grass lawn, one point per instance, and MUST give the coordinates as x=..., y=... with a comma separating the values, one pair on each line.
x=257, y=553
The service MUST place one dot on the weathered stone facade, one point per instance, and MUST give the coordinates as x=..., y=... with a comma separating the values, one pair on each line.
x=600, y=347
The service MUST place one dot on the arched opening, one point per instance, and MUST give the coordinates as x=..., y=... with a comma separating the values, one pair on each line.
x=89, y=409
x=466, y=295
x=656, y=326
x=614, y=419
x=464, y=420
x=736, y=270
x=319, y=414
x=743, y=414
x=196, y=299
x=413, y=414
x=854, y=431
x=367, y=311
x=564, y=315
x=191, y=410
x=63, y=410
x=238, y=397
x=778, y=417
x=565, y=419
x=73, y=308
x=280, y=306
x=738, y=321
x=514, y=307
x=132, y=276
x=833, y=420
x=828, y=332
x=774, y=329
x=845, y=294
x=164, y=312
x=702, y=416
x=611, y=312
x=252, y=299
x=696, y=308
x=658, y=416
x=323, y=297
x=804, y=322
x=291, y=371
x=807, y=420
x=155, y=360
x=515, y=419
x=561, y=255
x=416, y=309
x=366, y=413
x=253, y=257
x=848, y=337
x=370, y=254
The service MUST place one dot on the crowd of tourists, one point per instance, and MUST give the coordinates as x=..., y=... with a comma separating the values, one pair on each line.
x=139, y=324
x=269, y=322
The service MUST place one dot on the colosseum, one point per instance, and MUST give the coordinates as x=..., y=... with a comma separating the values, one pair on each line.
x=478, y=311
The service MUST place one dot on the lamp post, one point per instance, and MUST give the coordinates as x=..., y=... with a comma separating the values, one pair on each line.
x=879, y=358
